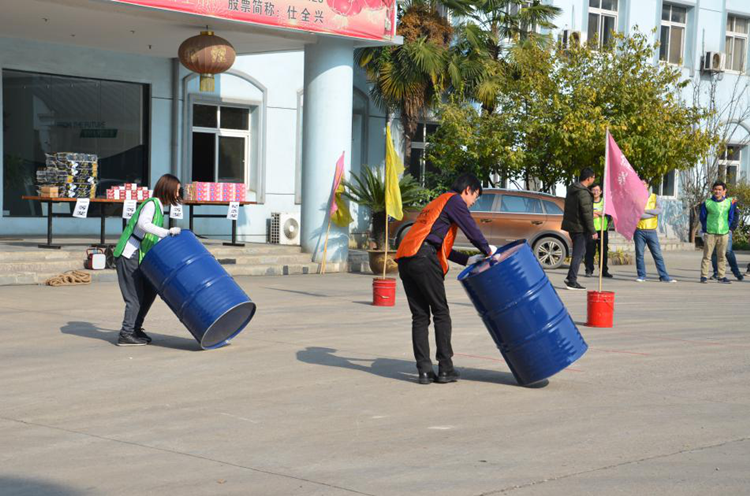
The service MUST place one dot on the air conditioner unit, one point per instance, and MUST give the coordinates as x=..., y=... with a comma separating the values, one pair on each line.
x=284, y=228
x=714, y=62
x=568, y=38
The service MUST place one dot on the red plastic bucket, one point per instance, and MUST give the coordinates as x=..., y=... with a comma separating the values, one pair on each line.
x=601, y=309
x=384, y=292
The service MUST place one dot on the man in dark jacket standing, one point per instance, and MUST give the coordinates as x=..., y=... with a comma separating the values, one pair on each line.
x=578, y=220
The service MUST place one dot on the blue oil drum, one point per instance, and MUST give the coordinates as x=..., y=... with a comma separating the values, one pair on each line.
x=198, y=290
x=523, y=313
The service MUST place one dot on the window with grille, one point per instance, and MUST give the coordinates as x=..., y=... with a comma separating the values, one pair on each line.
x=220, y=143
x=730, y=162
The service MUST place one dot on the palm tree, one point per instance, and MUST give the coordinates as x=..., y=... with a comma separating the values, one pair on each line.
x=407, y=79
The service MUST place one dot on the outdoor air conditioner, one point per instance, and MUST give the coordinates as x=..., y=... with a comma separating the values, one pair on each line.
x=714, y=62
x=284, y=228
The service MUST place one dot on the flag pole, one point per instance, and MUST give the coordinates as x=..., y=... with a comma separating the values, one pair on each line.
x=604, y=207
x=385, y=260
x=325, y=246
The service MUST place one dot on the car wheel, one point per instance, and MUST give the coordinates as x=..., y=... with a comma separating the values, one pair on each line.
x=550, y=252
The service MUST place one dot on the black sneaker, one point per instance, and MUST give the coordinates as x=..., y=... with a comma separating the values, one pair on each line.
x=589, y=274
x=607, y=275
x=724, y=280
x=574, y=286
x=714, y=277
x=130, y=340
x=704, y=280
x=142, y=335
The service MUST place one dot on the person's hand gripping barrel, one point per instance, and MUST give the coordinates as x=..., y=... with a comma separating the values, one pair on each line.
x=478, y=258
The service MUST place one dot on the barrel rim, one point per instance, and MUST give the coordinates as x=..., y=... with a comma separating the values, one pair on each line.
x=240, y=329
x=467, y=271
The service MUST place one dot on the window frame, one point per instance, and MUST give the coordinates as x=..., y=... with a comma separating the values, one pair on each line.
x=220, y=132
x=600, y=13
x=734, y=35
x=670, y=24
x=734, y=163
x=422, y=145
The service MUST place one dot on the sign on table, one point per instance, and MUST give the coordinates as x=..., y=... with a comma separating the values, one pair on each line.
x=175, y=212
x=128, y=209
x=81, y=209
x=233, y=212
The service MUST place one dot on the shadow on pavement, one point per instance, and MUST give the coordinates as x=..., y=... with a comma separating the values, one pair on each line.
x=31, y=487
x=306, y=293
x=391, y=368
x=89, y=330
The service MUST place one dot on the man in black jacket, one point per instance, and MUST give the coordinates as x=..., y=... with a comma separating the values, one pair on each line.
x=578, y=220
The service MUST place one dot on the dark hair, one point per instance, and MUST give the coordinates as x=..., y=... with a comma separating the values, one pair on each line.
x=719, y=183
x=466, y=180
x=166, y=190
x=596, y=185
x=586, y=173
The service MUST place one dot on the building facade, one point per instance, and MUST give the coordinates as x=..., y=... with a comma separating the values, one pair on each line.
x=706, y=39
x=99, y=76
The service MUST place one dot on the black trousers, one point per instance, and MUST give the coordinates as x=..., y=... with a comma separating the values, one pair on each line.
x=592, y=247
x=137, y=292
x=579, y=249
x=424, y=283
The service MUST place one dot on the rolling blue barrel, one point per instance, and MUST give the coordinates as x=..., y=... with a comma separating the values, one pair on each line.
x=523, y=313
x=198, y=290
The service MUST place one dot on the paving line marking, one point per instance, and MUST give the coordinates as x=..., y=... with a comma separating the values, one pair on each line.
x=616, y=465
x=190, y=455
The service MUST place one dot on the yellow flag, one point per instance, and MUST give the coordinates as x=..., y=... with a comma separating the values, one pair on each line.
x=393, y=168
x=341, y=217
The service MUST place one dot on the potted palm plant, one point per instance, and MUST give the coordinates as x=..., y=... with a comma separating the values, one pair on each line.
x=368, y=190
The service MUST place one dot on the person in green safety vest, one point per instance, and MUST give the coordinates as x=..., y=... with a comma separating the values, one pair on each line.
x=717, y=214
x=142, y=232
x=592, y=245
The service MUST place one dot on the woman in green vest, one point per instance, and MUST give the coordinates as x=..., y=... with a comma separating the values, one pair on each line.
x=593, y=245
x=143, y=231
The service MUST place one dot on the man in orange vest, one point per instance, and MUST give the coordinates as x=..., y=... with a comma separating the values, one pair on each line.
x=423, y=262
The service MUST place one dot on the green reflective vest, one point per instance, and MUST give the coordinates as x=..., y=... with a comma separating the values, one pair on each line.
x=148, y=240
x=599, y=207
x=717, y=221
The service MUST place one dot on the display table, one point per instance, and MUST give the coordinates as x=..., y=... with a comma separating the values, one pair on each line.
x=191, y=204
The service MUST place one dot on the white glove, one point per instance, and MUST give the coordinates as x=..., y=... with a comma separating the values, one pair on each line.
x=174, y=231
x=493, y=249
x=475, y=259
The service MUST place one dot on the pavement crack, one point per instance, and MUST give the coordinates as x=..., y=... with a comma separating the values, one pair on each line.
x=616, y=465
x=181, y=453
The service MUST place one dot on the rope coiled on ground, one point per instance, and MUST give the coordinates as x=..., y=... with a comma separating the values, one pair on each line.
x=69, y=278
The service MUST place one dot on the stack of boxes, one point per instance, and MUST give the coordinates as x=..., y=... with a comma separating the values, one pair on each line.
x=128, y=191
x=68, y=175
x=218, y=192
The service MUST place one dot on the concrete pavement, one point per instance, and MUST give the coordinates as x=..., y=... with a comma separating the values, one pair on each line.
x=318, y=397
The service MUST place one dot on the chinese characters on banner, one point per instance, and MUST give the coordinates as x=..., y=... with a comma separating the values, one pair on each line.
x=366, y=19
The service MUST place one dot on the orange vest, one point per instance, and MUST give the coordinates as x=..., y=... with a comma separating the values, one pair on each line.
x=421, y=229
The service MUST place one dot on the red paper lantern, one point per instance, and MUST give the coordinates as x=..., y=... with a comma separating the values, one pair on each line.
x=207, y=54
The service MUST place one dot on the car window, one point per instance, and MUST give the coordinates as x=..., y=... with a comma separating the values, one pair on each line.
x=552, y=208
x=483, y=203
x=520, y=204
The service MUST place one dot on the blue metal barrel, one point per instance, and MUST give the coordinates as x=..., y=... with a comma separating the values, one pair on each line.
x=198, y=290
x=523, y=313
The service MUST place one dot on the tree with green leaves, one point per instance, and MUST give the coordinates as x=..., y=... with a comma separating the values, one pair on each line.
x=409, y=78
x=556, y=106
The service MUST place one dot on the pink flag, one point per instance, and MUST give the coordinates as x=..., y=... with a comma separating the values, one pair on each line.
x=336, y=182
x=625, y=196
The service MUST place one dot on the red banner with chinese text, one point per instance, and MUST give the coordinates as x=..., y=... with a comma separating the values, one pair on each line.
x=366, y=19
